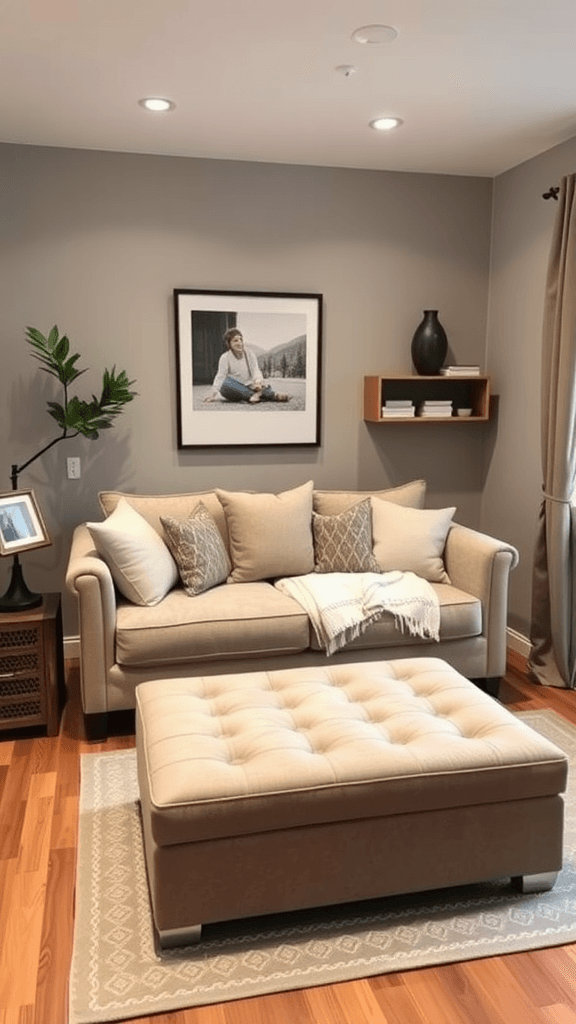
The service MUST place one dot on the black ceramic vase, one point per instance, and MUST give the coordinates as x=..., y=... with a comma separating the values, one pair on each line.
x=429, y=345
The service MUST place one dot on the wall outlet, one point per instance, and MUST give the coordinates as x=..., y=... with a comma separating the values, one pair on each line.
x=73, y=468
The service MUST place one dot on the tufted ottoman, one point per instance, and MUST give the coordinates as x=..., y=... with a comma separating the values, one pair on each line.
x=271, y=791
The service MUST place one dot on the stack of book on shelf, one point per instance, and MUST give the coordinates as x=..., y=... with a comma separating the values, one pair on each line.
x=462, y=370
x=440, y=408
x=398, y=408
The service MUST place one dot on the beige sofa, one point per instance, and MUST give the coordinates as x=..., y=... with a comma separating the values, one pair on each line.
x=244, y=623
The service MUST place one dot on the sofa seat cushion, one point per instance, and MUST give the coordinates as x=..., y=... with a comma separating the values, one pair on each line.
x=232, y=755
x=227, y=621
x=460, y=617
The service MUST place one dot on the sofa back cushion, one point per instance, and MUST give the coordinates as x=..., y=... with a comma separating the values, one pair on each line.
x=331, y=503
x=175, y=506
x=270, y=534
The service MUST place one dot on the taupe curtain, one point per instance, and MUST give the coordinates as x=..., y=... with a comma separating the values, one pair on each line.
x=553, y=631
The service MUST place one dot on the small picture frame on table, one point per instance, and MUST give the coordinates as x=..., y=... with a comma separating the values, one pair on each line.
x=22, y=526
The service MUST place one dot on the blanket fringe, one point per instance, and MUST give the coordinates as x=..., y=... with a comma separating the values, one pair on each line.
x=341, y=609
x=348, y=635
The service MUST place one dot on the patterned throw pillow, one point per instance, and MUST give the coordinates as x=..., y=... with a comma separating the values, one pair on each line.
x=343, y=543
x=198, y=550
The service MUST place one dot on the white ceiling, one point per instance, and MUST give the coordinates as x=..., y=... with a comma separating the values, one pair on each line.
x=481, y=84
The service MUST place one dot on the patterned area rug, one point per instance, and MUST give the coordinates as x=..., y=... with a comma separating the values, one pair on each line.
x=118, y=973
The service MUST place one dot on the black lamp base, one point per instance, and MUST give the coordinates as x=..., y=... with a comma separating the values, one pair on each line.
x=18, y=598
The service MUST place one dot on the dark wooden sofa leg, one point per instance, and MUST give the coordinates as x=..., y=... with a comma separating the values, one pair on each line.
x=96, y=726
x=490, y=685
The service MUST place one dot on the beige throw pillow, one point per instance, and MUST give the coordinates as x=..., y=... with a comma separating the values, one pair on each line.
x=411, y=539
x=270, y=534
x=343, y=543
x=331, y=503
x=141, y=565
x=198, y=550
x=177, y=506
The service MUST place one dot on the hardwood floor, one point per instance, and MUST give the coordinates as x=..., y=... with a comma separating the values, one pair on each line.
x=39, y=782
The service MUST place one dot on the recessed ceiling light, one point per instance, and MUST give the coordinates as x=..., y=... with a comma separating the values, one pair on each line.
x=156, y=104
x=375, y=34
x=386, y=124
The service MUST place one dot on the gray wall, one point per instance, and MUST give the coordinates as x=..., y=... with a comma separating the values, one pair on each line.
x=96, y=242
x=521, y=236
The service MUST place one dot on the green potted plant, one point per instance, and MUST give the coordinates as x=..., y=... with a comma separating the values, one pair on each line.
x=74, y=416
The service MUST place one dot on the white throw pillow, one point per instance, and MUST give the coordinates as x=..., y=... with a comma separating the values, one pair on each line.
x=411, y=539
x=141, y=565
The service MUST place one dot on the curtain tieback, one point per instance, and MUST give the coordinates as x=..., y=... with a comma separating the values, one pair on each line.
x=560, y=501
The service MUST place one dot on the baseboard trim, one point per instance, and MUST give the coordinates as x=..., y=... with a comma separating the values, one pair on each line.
x=71, y=648
x=517, y=650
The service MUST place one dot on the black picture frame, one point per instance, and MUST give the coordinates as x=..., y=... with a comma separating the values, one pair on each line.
x=283, y=332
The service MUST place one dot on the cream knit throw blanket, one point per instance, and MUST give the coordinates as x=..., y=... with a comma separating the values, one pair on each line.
x=341, y=605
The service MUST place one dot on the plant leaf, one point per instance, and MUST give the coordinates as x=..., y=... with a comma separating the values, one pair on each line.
x=86, y=418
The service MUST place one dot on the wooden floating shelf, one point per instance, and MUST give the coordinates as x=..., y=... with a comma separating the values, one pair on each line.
x=464, y=392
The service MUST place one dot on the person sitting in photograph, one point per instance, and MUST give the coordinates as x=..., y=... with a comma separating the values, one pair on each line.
x=239, y=378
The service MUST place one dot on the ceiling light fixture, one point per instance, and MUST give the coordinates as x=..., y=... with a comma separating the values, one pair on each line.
x=386, y=124
x=156, y=104
x=375, y=34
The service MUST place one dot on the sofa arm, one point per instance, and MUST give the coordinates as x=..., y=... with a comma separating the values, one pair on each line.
x=89, y=578
x=481, y=566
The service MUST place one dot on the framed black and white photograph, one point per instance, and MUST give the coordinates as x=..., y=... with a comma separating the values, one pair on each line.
x=248, y=368
x=21, y=524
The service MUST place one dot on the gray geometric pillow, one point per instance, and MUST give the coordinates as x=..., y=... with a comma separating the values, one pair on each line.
x=198, y=550
x=343, y=543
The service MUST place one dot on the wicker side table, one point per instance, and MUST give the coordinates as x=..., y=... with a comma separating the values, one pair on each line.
x=32, y=666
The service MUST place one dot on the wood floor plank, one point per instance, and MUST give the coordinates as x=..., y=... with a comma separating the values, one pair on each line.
x=22, y=924
x=393, y=993
x=284, y=1008
x=561, y=966
x=4, y=769
x=56, y=936
x=435, y=995
x=13, y=806
x=64, y=822
x=536, y=974
x=43, y=755
x=203, y=1015
x=559, y=1014
x=17, y=1015
x=6, y=751
x=496, y=989
x=340, y=1004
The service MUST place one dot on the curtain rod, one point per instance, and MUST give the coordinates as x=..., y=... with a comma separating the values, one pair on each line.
x=552, y=193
